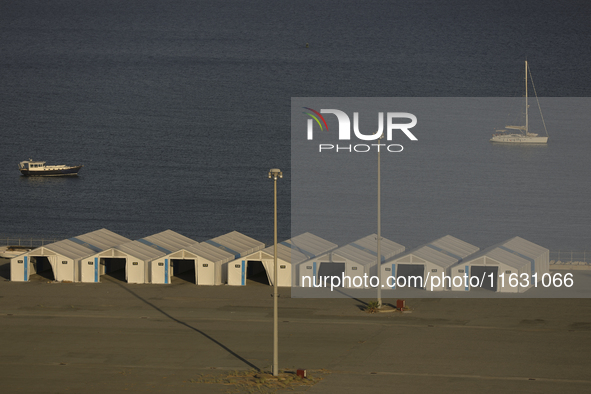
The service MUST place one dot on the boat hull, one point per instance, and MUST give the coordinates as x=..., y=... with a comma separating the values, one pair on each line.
x=518, y=139
x=69, y=171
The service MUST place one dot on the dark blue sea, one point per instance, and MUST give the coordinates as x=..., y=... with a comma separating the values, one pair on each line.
x=178, y=109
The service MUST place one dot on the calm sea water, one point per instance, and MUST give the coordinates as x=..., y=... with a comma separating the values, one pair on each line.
x=177, y=109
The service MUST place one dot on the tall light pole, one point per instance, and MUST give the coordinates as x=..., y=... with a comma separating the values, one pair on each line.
x=379, y=270
x=275, y=173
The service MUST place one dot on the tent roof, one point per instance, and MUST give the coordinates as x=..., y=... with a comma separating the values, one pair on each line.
x=364, y=250
x=140, y=250
x=301, y=248
x=99, y=240
x=525, y=247
x=168, y=241
x=236, y=243
x=210, y=252
x=66, y=248
x=444, y=252
x=508, y=258
x=84, y=245
x=515, y=252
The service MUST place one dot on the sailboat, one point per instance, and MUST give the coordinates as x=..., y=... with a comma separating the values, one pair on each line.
x=521, y=134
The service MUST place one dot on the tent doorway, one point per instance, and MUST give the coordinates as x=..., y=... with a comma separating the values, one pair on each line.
x=113, y=267
x=255, y=271
x=413, y=273
x=184, y=270
x=42, y=267
x=481, y=271
x=330, y=269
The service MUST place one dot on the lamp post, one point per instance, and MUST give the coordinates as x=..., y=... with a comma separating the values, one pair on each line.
x=379, y=268
x=275, y=173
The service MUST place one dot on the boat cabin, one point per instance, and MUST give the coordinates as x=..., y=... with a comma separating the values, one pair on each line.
x=31, y=165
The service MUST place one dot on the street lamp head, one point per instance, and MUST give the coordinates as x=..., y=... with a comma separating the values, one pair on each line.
x=275, y=173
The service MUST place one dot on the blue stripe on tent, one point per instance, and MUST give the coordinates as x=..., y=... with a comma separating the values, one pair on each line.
x=86, y=244
x=533, y=263
x=366, y=250
x=26, y=268
x=444, y=252
x=394, y=275
x=96, y=269
x=467, y=274
x=243, y=269
x=165, y=271
x=224, y=248
x=313, y=273
x=302, y=251
x=157, y=247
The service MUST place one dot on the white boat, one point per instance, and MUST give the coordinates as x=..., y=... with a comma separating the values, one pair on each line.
x=10, y=251
x=521, y=134
x=38, y=168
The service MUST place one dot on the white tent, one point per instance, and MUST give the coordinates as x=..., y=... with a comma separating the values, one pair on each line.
x=427, y=265
x=207, y=260
x=64, y=257
x=98, y=241
x=211, y=263
x=289, y=254
x=174, y=261
x=134, y=257
x=59, y=257
x=351, y=262
x=516, y=257
x=236, y=244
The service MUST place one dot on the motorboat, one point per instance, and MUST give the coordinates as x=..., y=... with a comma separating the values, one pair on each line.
x=39, y=168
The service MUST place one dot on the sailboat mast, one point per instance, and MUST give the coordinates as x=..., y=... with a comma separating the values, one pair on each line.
x=526, y=106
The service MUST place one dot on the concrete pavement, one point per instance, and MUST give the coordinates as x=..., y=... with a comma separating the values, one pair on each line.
x=116, y=337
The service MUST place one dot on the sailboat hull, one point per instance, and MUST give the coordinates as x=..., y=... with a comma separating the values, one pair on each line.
x=518, y=139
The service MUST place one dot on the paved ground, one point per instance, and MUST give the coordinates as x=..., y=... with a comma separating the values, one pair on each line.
x=114, y=337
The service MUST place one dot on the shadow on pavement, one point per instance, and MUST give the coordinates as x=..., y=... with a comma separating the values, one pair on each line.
x=184, y=324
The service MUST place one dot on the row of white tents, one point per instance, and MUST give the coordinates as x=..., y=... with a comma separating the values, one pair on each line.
x=446, y=263
x=153, y=259
x=305, y=260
